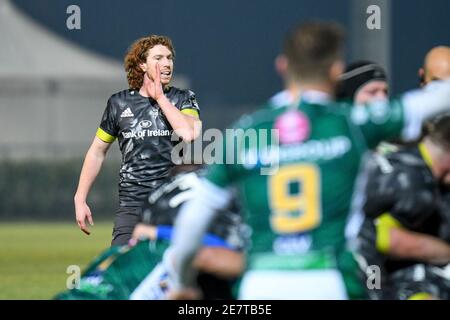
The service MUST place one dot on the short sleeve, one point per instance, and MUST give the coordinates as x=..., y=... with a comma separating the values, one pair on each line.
x=189, y=104
x=402, y=193
x=108, y=129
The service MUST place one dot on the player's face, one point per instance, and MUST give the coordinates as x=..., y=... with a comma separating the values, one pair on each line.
x=374, y=90
x=162, y=56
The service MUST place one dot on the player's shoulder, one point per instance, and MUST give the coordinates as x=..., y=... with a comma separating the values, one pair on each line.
x=123, y=96
x=174, y=92
x=408, y=167
x=262, y=117
x=280, y=99
x=407, y=157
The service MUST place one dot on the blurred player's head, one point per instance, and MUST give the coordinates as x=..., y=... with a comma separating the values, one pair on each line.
x=437, y=144
x=436, y=65
x=363, y=82
x=144, y=54
x=313, y=53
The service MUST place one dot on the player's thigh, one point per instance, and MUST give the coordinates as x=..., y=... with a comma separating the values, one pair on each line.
x=124, y=223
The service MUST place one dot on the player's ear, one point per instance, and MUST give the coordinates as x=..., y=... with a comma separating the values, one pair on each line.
x=336, y=70
x=281, y=65
x=421, y=74
x=143, y=66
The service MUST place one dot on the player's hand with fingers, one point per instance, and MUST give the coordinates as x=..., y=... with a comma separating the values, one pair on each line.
x=83, y=216
x=153, y=85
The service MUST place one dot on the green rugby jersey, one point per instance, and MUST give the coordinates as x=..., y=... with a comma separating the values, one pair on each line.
x=303, y=205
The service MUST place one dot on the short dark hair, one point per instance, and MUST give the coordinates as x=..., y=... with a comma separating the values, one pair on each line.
x=311, y=49
x=438, y=131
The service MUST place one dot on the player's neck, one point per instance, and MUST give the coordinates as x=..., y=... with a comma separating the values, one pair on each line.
x=294, y=91
x=143, y=92
x=321, y=87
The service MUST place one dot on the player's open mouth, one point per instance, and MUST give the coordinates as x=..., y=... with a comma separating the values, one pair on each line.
x=166, y=73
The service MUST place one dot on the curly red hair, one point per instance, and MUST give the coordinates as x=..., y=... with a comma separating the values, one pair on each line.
x=137, y=54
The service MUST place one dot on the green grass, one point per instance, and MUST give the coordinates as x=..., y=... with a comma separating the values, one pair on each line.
x=34, y=256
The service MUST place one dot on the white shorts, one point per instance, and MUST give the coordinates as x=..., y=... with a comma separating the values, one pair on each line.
x=325, y=284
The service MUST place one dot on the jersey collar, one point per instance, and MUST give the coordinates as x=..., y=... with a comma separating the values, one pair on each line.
x=425, y=154
x=315, y=97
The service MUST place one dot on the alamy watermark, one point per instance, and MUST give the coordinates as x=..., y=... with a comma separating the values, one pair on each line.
x=373, y=274
x=73, y=21
x=73, y=280
x=373, y=22
x=251, y=148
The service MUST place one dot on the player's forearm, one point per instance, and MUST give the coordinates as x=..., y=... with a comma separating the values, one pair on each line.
x=420, y=105
x=412, y=245
x=91, y=168
x=186, y=127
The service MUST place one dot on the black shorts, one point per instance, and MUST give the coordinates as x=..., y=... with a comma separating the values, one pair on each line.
x=124, y=223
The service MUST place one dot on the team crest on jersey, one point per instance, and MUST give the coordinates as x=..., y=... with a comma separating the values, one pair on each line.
x=293, y=127
x=145, y=124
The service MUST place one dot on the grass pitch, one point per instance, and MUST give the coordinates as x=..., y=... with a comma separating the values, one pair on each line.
x=34, y=256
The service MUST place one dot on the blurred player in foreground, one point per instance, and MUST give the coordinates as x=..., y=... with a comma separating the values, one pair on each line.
x=135, y=272
x=406, y=231
x=298, y=212
x=221, y=260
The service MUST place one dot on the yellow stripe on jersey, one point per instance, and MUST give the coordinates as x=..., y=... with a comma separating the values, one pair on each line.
x=104, y=136
x=425, y=154
x=190, y=112
x=421, y=296
x=383, y=225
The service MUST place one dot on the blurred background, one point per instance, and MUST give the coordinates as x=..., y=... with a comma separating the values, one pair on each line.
x=55, y=81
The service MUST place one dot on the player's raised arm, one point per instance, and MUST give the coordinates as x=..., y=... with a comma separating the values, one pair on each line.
x=386, y=119
x=186, y=126
x=419, y=105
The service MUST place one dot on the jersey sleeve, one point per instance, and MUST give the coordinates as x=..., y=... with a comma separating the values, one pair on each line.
x=378, y=121
x=399, y=192
x=108, y=129
x=189, y=105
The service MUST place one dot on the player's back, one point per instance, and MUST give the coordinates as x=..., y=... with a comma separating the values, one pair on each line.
x=302, y=204
x=298, y=211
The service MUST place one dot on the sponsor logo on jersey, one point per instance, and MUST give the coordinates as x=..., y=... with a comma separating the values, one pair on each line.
x=324, y=149
x=378, y=112
x=293, y=127
x=311, y=150
x=145, y=124
x=359, y=115
x=127, y=113
x=292, y=244
x=154, y=113
x=141, y=134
